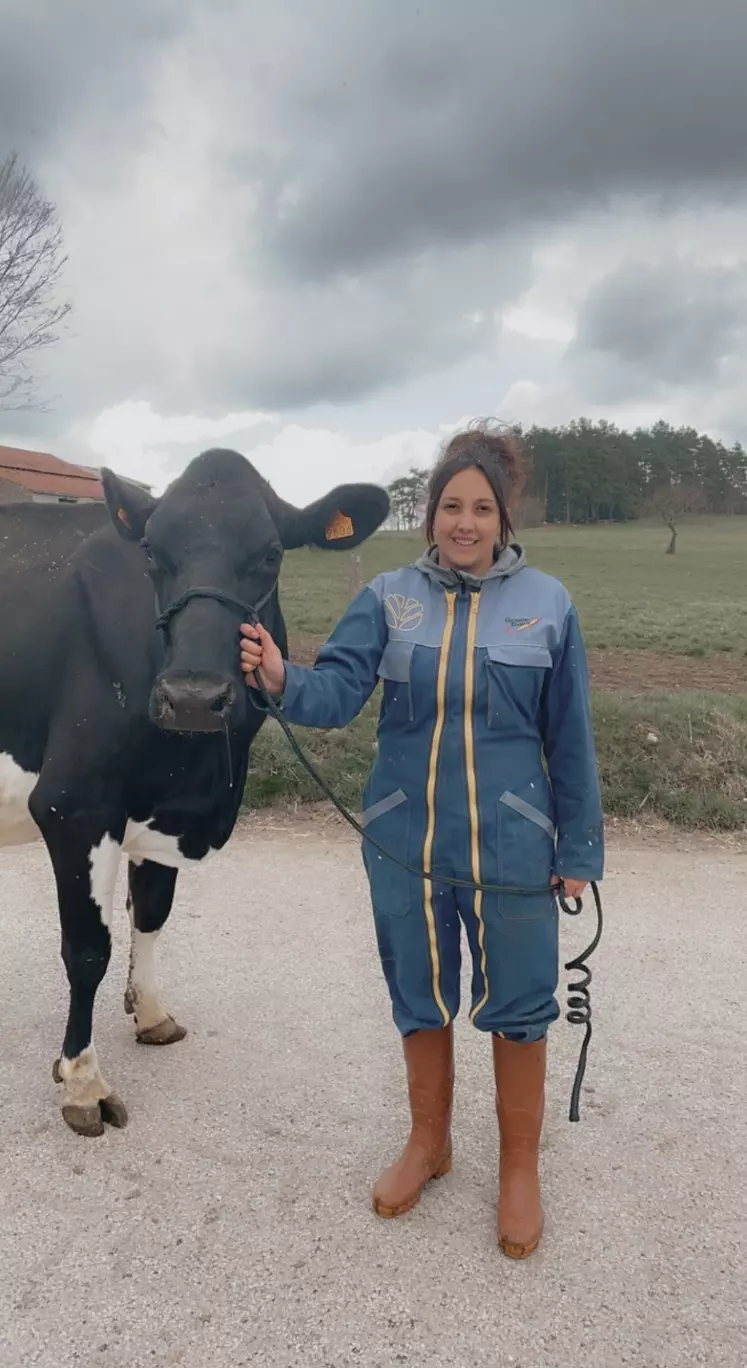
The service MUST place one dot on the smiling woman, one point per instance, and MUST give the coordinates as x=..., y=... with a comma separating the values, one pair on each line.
x=472, y=491
x=483, y=678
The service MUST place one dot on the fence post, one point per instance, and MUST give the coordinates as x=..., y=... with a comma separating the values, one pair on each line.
x=356, y=575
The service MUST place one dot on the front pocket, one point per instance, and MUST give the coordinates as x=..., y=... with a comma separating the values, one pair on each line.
x=387, y=820
x=383, y=806
x=526, y=836
x=532, y=814
x=516, y=677
x=394, y=670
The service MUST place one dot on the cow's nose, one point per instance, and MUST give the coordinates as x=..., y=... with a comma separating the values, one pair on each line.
x=194, y=704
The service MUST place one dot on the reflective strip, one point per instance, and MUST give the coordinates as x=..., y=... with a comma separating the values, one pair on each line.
x=474, y=815
x=431, y=803
x=533, y=814
x=383, y=805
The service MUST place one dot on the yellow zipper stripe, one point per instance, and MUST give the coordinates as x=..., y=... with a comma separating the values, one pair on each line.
x=430, y=832
x=474, y=816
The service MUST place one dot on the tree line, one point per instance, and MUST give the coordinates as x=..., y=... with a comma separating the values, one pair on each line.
x=596, y=472
x=587, y=472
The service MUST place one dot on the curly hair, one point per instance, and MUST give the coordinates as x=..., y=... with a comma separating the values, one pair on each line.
x=495, y=450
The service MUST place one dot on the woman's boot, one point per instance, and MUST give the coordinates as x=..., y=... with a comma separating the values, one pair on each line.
x=520, y=1104
x=429, y=1059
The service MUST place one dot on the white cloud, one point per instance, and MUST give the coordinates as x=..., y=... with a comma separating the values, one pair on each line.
x=301, y=463
x=134, y=440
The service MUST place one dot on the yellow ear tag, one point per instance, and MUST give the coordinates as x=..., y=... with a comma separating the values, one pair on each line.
x=340, y=527
x=122, y=517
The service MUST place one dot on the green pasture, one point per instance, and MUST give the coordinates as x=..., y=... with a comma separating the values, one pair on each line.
x=628, y=592
x=680, y=756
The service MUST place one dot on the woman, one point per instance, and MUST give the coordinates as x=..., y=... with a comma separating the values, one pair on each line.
x=485, y=771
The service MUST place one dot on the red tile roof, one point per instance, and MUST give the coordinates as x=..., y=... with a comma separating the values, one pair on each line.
x=43, y=474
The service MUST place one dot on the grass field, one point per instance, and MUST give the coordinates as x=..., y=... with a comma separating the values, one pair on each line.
x=628, y=592
x=667, y=639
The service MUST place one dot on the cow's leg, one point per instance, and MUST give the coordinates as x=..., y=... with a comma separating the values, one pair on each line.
x=149, y=898
x=85, y=849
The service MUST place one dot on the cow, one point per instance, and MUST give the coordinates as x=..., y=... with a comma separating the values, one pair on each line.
x=125, y=724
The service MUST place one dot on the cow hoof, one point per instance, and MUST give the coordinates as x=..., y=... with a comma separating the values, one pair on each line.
x=89, y=1121
x=114, y=1111
x=129, y=1003
x=57, y=1076
x=167, y=1032
x=83, y=1120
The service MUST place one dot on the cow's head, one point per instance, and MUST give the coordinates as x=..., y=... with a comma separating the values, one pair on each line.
x=221, y=526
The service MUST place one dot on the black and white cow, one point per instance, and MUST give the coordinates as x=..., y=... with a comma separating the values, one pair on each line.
x=120, y=738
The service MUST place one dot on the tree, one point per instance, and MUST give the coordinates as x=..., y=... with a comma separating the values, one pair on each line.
x=589, y=472
x=31, y=261
x=407, y=497
x=673, y=502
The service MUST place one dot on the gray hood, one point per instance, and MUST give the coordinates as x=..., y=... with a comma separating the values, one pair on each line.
x=508, y=562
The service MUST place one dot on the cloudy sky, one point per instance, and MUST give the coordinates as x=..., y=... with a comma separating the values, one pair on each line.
x=325, y=233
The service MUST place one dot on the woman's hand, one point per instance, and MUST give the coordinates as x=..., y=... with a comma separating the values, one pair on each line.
x=571, y=888
x=258, y=650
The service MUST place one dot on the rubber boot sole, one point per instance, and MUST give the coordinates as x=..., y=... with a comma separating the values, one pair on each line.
x=516, y=1251
x=390, y=1213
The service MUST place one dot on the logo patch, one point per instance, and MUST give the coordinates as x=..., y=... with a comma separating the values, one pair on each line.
x=403, y=614
x=521, y=624
x=340, y=527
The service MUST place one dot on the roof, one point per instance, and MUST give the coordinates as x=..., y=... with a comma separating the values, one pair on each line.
x=96, y=471
x=40, y=473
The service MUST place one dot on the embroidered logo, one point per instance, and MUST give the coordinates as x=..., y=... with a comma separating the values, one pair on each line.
x=403, y=614
x=521, y=624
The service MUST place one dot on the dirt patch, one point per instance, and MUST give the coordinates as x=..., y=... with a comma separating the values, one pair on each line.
x=629, y=670
x=634, y=671
x=322, y=820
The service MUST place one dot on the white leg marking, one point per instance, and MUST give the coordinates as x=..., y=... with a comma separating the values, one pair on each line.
x=84, y=1085
x=143, y=992
x=82, y=1079
x=17, y=826
x=104, y=862
x=143, y=842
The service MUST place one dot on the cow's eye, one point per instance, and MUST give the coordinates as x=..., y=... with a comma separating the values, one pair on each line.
x=274, y=555
x=150, y=558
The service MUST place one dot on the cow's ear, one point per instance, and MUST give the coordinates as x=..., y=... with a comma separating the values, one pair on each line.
x=341, y=520
x=129, y=505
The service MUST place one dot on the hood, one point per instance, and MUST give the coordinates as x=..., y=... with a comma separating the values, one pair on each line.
x=509, y=562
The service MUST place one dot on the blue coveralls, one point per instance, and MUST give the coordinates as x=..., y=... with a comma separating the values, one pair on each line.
x=480, y=677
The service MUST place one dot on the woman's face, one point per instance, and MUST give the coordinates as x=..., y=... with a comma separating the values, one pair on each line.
x=467, y=524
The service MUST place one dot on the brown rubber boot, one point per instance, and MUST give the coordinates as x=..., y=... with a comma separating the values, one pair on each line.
x=520, y=1104
x=429, y=1059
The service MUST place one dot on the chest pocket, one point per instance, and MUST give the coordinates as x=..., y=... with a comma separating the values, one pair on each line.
x=407, y=671
x=395, y=672
x=516, y=674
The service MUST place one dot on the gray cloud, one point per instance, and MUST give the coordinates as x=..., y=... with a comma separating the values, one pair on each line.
x=80, y=71
x=647, y=327
x=277, y=204
x=453, y=124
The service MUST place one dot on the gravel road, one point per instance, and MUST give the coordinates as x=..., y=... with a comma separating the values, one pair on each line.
x=229, y=1224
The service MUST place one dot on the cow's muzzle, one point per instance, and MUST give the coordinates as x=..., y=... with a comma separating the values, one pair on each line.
x=194, y=703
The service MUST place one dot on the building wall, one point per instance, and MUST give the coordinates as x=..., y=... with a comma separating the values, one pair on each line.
x=10, y=492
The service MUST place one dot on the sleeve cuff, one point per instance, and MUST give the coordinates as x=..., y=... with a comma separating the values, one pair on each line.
x=259, y=703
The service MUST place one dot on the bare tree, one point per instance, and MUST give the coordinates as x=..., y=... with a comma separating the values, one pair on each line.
x=674, y=501
x=31, y=261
